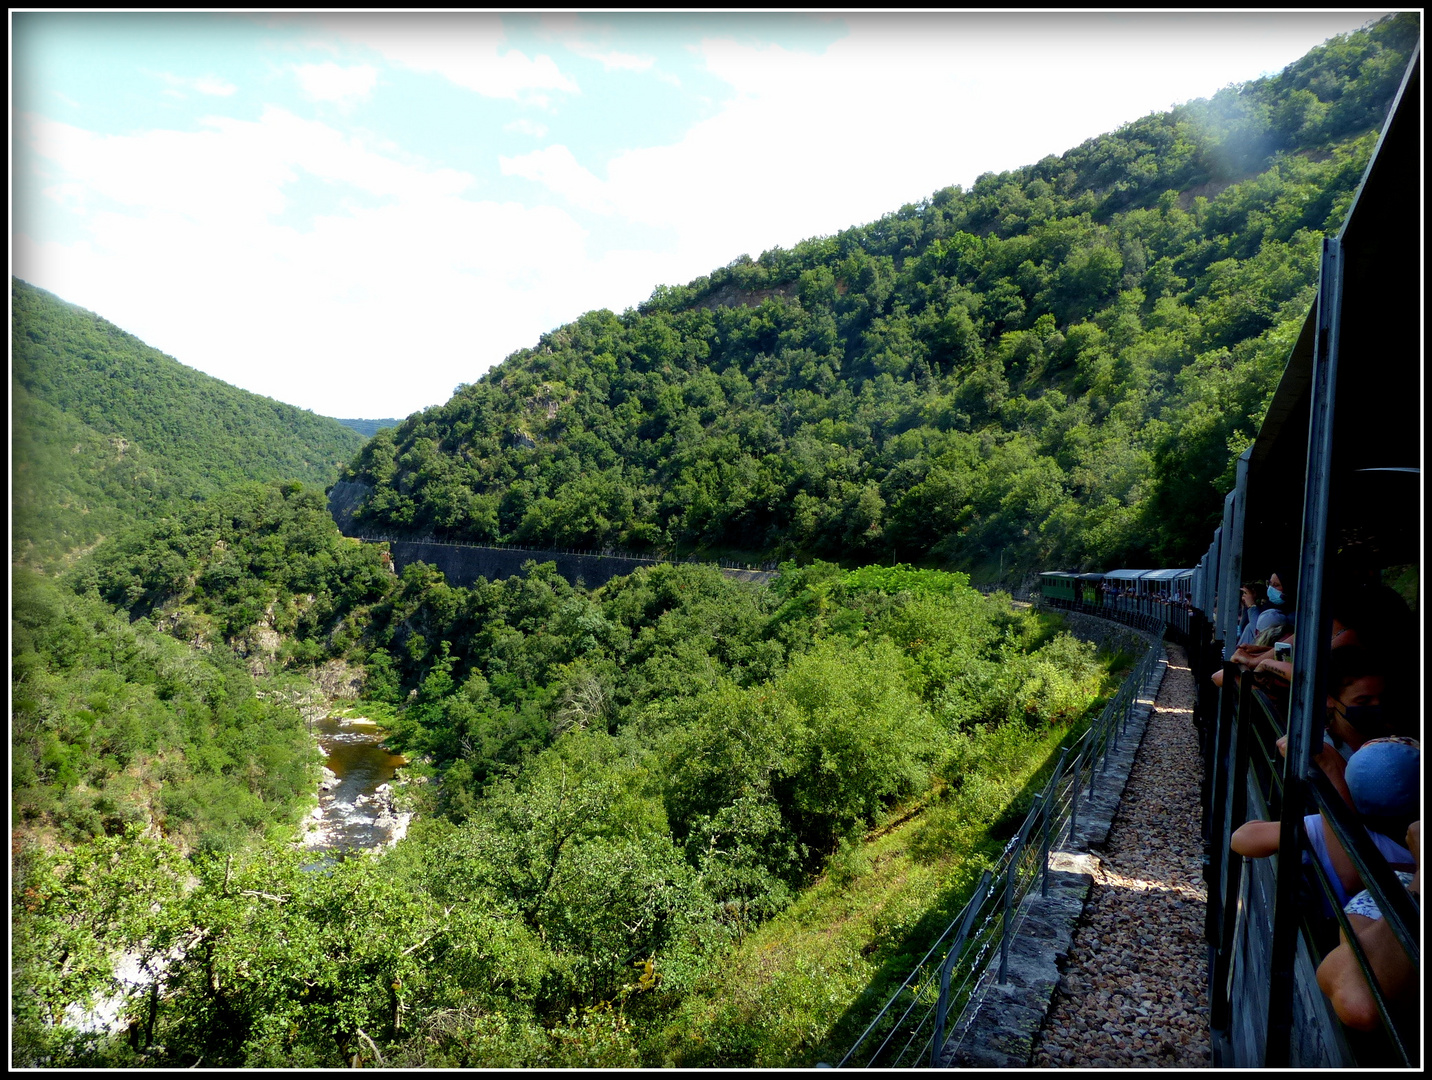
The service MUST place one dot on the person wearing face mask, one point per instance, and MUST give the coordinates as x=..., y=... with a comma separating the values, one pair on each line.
x=1274, y=623
x=1253, y=599
x=1275, y=670
x=1278, y=618
x=1355, y=714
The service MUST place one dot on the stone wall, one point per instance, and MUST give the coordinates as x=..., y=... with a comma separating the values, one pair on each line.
x=463, y=564
x=1105, y=633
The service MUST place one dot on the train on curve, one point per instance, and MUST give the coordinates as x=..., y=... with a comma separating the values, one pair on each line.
x=1330, y=495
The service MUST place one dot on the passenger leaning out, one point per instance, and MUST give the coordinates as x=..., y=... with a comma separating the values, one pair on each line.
x=1382, y=783
x=1341, y=976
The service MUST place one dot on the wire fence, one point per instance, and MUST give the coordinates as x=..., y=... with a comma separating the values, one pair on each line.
x=913, y=1027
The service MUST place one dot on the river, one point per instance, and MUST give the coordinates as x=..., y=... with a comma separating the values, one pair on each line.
x=355, y=800
x=355, y=812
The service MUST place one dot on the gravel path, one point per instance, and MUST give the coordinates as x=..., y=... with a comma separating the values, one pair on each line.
x=1134, y=989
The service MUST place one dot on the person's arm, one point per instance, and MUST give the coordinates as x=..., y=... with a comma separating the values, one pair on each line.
x=1248, y=655
x=1331, y=762
x=1282, y=669
x=1256, y=839
x=1341, y=977
x=1342, y=862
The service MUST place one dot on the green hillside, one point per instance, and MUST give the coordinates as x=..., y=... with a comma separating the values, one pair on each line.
x=1059, y=364
x=108, y=430
x=679, y=820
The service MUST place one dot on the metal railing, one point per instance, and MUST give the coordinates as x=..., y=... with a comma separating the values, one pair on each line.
x=911, y=1029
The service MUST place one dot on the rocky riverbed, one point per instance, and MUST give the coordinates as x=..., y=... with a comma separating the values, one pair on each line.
x=356, y=808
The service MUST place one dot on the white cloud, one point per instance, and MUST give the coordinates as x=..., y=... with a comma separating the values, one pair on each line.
x=333, y=82
x=900, y=107
x=620, y=61
x=214, y=86
x=466, y=49
x=524, y=126
x=556, y=168
x=231, y=170
x=383, y=302
x=395, y=303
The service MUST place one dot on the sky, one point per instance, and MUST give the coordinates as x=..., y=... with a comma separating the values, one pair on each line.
x=357, y=213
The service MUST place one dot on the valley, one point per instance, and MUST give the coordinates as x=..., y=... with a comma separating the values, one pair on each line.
x=467, y=794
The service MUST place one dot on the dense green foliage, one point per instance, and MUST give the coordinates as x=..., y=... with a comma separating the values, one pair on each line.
x=1058, y=365
x=108, y=430
x=255, y=560
x=642, y=776
x=480, y=678
x=648, y=797
x=116, y=724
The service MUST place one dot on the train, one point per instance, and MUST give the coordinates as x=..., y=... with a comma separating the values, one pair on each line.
x=1331, y=488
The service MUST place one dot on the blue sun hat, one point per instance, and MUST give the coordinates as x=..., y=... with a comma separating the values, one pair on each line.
x=1384, y=779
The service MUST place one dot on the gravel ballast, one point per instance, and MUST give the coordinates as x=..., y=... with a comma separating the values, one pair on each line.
x=1133, y=991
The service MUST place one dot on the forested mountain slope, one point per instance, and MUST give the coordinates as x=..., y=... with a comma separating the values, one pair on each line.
x=1058, y=365
x=108, y=430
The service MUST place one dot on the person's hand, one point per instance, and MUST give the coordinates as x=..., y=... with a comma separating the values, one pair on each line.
x=1328, y=759
x=1332, y=763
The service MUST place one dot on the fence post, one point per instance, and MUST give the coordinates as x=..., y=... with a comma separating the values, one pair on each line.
x=1043, y=846
x=1008, y=899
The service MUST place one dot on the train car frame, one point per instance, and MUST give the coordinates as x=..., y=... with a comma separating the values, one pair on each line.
x=1328, y=495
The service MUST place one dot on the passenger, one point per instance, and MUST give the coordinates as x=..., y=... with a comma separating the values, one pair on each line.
x=1341, y=976
x=1356, y=686
x=1280, y=610
x=1382, y=782
x=1274, y=623
x=1355, y=715
x=1253, y=601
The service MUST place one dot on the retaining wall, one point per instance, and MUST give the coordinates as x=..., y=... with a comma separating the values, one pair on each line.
x=463, y=564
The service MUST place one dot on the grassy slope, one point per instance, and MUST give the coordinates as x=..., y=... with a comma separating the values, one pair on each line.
x=800, y=988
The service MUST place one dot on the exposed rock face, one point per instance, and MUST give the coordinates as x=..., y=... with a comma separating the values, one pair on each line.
x=260, y=648
x=345, y=498
x=339, y=679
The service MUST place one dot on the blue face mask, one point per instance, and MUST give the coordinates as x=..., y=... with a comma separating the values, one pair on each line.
x=1275, y=596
